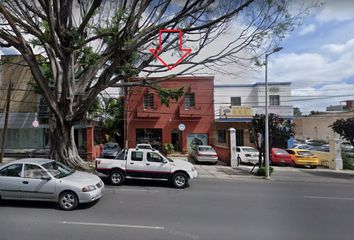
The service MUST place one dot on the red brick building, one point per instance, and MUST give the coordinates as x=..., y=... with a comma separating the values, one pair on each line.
x=184, y=123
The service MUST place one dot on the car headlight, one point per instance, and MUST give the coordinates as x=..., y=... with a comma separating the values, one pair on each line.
x=89, y=188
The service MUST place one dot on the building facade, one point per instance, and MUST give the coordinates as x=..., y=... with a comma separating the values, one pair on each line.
x=184, y=123
x=236, y=104
x=317, y=127
x=28, y=106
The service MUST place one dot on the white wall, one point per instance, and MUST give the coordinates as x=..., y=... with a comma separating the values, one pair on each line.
x=222, y=97
x=254, y=96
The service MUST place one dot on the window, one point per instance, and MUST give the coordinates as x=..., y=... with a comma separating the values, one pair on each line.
x=235, y=101
x=154, y=157
x=148, y=101
x=221, y=136
x=34, y=171
x=13, y=170
x=189, y=100
x=274, y=100
x=238, y=149
x=239, y=137
x=122, y=155
x=137, y=156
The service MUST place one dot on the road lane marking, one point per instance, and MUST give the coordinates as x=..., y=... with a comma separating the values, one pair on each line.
x=330, y=198
x=113, y=225
x=131, y=189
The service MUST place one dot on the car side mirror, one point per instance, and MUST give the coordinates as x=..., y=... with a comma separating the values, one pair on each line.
x=165, y=161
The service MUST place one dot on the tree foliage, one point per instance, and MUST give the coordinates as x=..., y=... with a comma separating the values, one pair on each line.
x=345, y=128
x=280, y=130
x=88, y=46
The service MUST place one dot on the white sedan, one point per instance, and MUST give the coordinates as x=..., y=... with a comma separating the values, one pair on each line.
x=247, y=155
x=47, y=180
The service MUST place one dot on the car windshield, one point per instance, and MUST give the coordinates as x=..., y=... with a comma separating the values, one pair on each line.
x=305, y=153
x=57, y=169
x=250, y=150
x=110, y=146
x=280, y=151
x=206, y=149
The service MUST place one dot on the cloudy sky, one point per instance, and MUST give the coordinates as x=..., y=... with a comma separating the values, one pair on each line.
x=318, y=58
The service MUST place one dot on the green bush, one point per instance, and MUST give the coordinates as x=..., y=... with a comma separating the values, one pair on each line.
x=168, y=148
x=347, y=162
x=262, y=171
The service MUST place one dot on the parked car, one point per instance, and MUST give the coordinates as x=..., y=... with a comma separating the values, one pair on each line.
x=204, y=153
x=301, y=146
x=302, y=157
x=48, y=180
x=144, y=146
x=347, y=146
x=146, y=164
x=280, y=156
x=110, y=150
x=247, y=155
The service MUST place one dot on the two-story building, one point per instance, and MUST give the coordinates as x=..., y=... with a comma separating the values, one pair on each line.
x=236, y=104
x=184, y=123
x=27, y=108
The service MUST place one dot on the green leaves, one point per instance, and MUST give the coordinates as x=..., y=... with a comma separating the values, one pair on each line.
x=168, y=94
x=345, y=128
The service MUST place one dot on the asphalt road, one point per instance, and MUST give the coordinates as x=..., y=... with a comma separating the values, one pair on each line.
x=209, y=209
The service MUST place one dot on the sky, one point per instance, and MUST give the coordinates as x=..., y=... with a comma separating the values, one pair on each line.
x=317, y=58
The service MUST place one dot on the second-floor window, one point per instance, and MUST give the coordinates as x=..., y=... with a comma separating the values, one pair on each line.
x=148, y=101
x=42, y=106
x=274, y=100
x=235, y=101
x=189, y=100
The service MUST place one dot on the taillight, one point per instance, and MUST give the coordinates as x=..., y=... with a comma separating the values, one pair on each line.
x=97, y=162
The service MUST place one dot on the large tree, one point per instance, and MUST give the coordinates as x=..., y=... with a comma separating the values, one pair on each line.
x=345, y=128
x=77, y=48
x=280, y=130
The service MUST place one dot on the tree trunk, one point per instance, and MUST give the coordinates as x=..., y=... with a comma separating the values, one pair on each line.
x=63, y=147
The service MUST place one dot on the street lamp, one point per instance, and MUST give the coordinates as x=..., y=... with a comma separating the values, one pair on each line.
x=266, y=111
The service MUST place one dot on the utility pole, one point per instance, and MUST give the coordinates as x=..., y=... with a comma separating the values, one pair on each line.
x=266, y=112
x=4, y=132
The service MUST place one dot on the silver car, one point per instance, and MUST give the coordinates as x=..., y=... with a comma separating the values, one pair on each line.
x=204, y=153
x=48, y=180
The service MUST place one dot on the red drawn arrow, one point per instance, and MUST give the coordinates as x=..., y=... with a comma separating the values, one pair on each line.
x=155, y=51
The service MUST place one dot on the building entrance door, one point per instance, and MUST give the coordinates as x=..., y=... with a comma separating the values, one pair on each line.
x=176, y=139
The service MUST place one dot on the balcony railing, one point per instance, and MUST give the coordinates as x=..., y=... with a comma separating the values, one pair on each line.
x=142, y=112
x=190, y=112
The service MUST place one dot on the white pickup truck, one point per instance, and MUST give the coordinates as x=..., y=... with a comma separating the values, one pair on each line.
x=145, y=164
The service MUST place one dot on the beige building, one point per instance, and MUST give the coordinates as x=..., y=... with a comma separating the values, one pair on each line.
x=317, y=126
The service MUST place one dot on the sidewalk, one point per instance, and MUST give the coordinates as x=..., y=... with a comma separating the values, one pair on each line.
x=285, y=174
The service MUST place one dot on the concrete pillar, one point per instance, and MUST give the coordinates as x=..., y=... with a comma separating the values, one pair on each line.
x=233, y=160
x=338, y=161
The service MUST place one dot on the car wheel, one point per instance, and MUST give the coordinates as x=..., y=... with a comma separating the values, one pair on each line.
x=313, y=167
x=116, y=178
x=68, y=201
x=293, y=164
x=180, y=180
